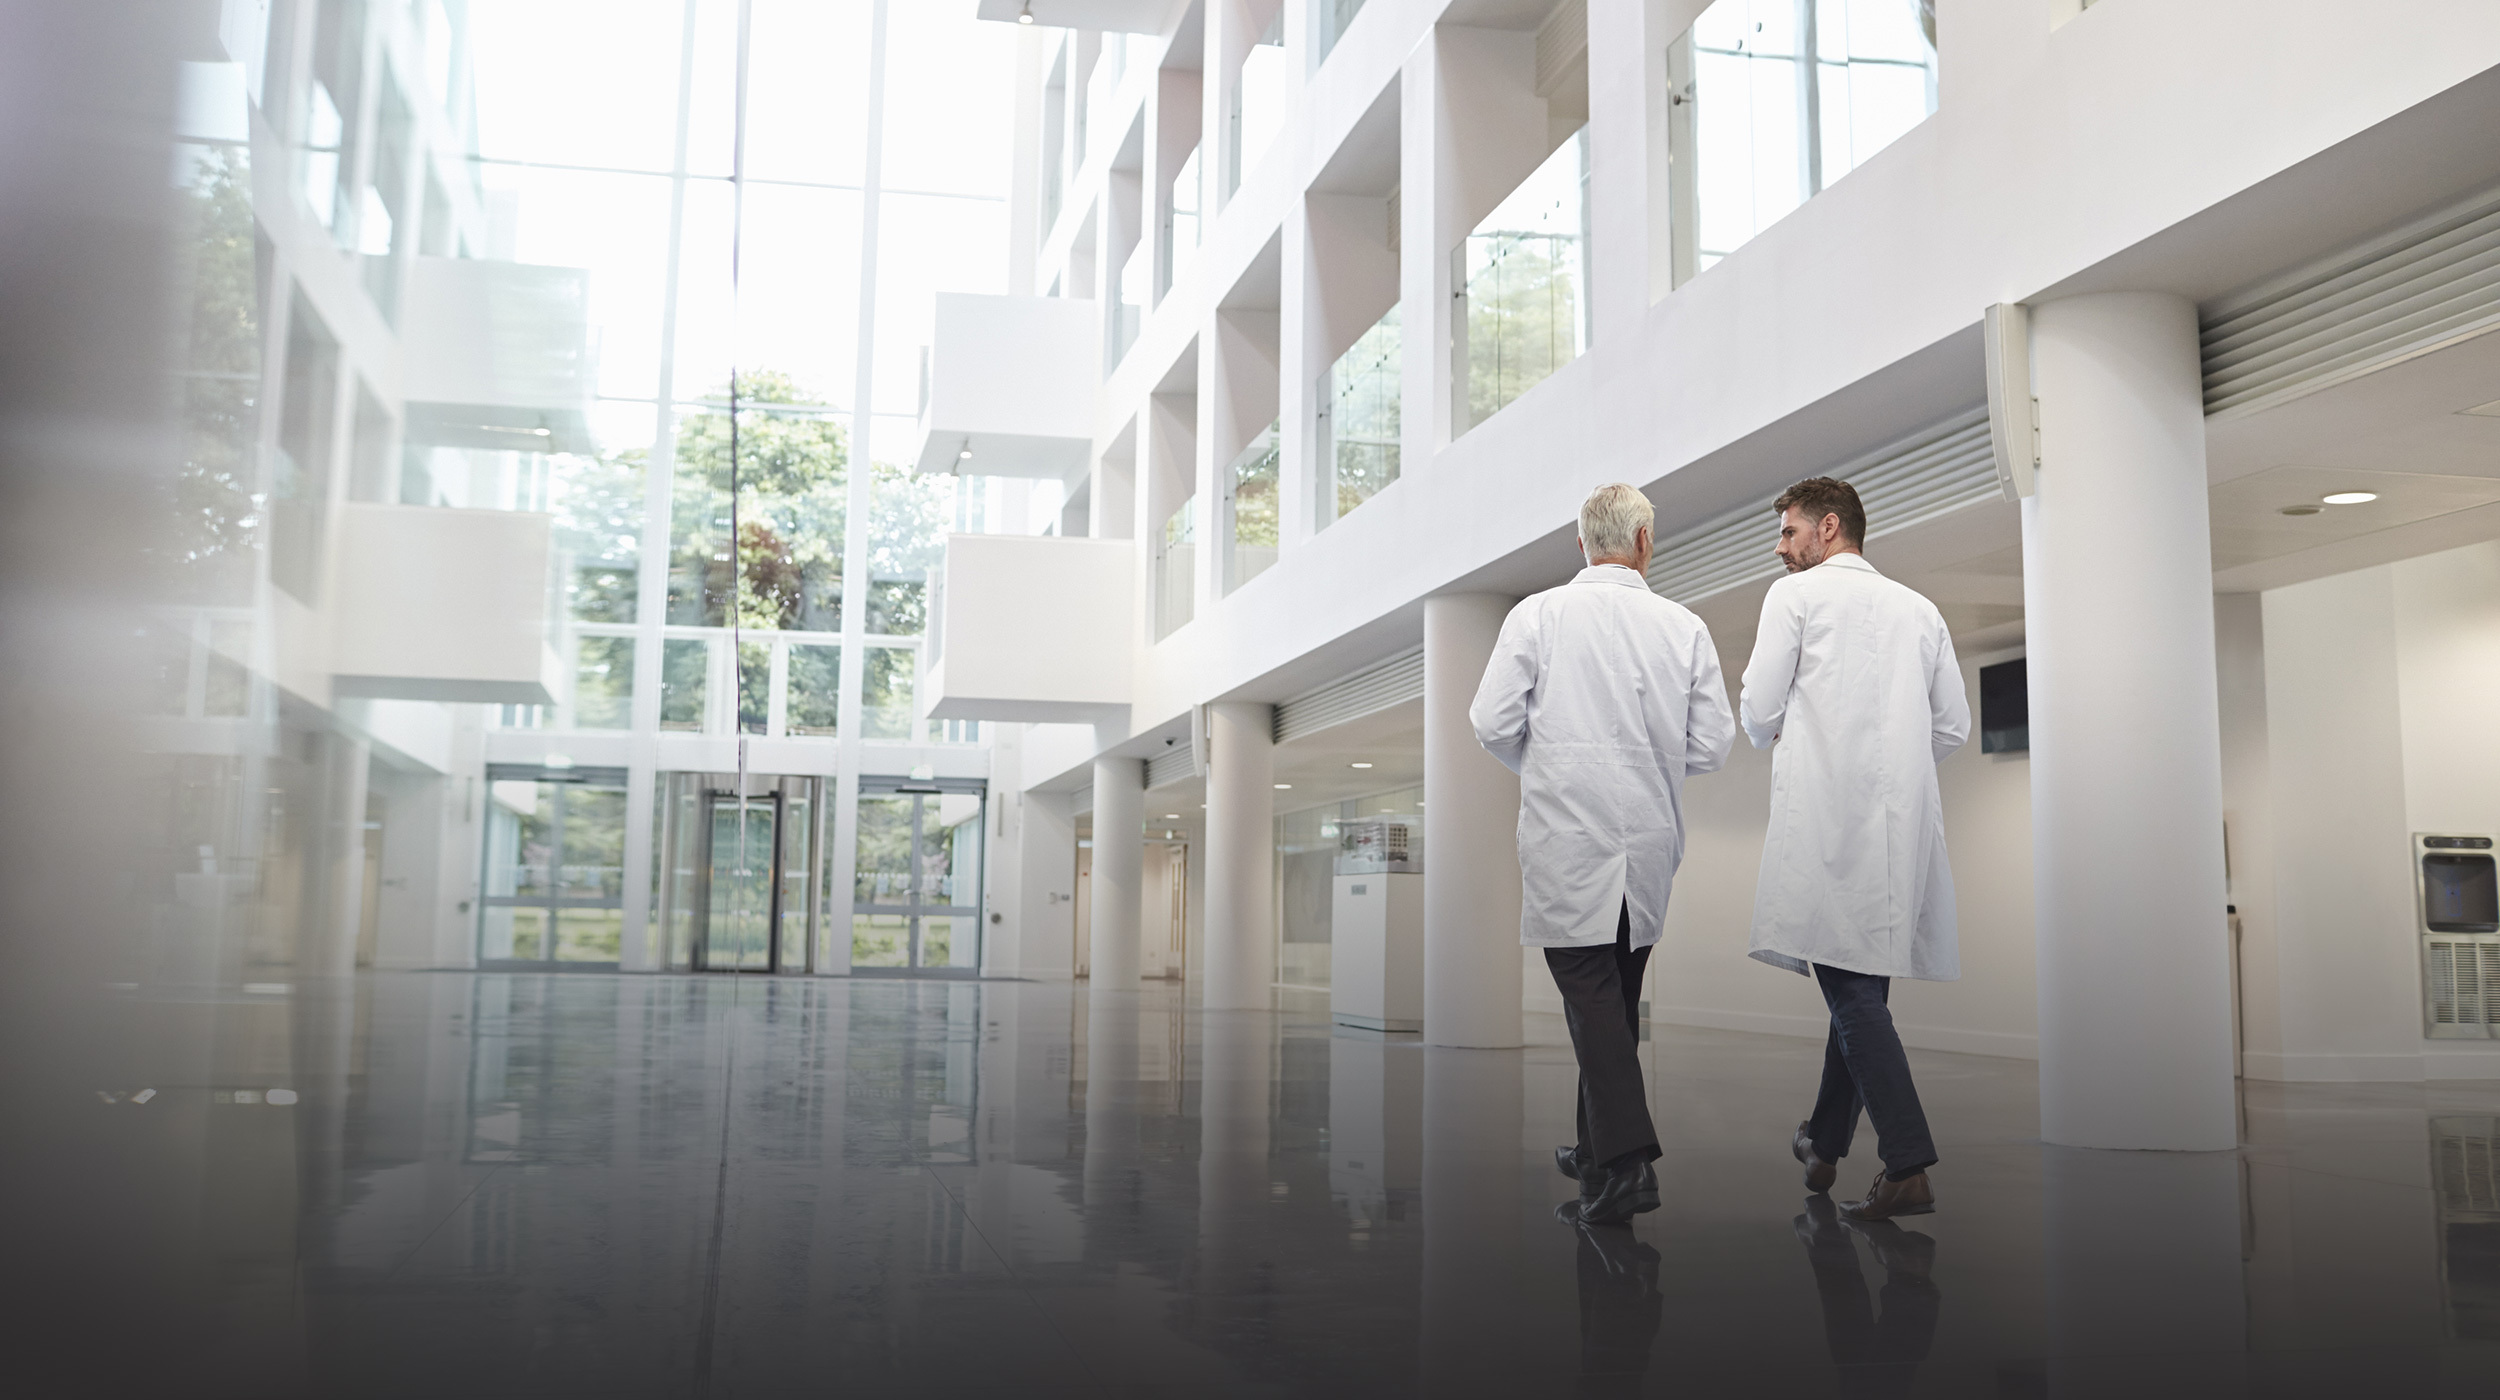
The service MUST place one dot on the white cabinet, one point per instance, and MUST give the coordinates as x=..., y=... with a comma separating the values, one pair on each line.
x=1376, y=933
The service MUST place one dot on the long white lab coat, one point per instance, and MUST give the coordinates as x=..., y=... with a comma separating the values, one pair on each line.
x=1602, y=697
x=1855, y=676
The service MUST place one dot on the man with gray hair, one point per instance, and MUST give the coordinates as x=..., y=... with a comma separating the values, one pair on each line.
x=1603, y=697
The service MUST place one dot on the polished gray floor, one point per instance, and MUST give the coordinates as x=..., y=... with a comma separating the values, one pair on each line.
x=602, y=1185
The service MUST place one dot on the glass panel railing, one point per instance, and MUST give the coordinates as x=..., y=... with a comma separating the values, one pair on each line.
x=1250, y=499
x=1259, y=100
x=1130, y=297
x=1176, y=569
x=1360, y=401
x=1184, y=204
x=1334, y=16
x=1524, y=275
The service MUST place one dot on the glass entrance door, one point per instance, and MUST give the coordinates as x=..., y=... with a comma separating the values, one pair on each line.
x=743, y=884
x=916, y=903
x=555, y=867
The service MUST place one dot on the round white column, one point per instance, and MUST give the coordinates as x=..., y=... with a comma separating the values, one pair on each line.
x=2126, y=748
x=1239, y=954
x=1119, y=865
x=1471, y=838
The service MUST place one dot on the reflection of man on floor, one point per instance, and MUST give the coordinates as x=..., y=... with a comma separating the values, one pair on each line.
x=1619, y=1305
x=1878, y=1355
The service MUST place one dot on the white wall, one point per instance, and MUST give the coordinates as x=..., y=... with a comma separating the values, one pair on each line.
x=2377, y=710
x=1701, y=976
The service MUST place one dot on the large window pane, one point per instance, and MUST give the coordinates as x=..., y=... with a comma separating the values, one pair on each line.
x=578, y=82
x=885, y=702
x=214, y=517
x=807, y=90
x=594, y=843
x=1525, y=272
x=815, y=688
x=945, y=122
x=685, y=667
x=610, y=228
x=603, y=683
x=907, y=523
x=300, y=487
x=1783, y=99
x=927, y=245
x=793, y=462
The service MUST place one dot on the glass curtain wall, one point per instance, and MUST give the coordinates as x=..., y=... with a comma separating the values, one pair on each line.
x=1524, y=279
x=1783, y=97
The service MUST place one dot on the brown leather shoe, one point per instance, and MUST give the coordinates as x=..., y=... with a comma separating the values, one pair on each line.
x=1819, y=1174
x=1888, y=1198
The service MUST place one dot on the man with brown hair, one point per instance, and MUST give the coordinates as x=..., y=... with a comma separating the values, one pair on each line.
x=1854, y=676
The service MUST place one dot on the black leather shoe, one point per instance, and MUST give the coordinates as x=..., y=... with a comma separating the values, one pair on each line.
x=1573, y=1162
x=1819, y=1174
x=1624, y=1192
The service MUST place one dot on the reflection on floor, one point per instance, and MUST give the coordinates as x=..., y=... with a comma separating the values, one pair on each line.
x=621, y=1186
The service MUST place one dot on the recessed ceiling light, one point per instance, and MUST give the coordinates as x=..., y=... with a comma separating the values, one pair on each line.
x=1358, y=765
x=2349, y=498
x=1171, y=816
x=2302, y=510
x=1280, y=787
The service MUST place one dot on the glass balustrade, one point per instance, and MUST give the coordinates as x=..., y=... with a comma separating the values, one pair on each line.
x=1524, y=275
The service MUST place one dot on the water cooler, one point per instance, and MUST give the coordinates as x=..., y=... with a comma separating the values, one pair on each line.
x=2457, y=891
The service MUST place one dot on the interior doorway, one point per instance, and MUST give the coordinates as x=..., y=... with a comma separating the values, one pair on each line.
x=916, y=903
x=742, y=871
x=554, y=887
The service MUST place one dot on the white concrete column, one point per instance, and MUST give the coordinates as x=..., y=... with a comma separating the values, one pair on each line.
x=1471, y=838
x=1240, y=945
x=1119, y=865
x=2126, y=748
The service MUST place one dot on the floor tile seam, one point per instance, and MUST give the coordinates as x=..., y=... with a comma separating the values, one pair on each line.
x=436, y=1228
x=1023, y=1289
x=2427, y=1190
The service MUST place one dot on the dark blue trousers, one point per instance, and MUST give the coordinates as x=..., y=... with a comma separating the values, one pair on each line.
x=1863, y=1067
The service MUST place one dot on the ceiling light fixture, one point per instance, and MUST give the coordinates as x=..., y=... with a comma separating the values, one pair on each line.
x=1358, y=765
x=1281, y=787
x=1171, y=816
x=2349, y=498
x=1027, y=16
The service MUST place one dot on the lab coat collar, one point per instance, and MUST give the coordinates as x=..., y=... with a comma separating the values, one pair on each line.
x=1850, y=561
x=1610, y=573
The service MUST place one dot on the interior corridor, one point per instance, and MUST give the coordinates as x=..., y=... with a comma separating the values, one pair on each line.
x=532, y=1184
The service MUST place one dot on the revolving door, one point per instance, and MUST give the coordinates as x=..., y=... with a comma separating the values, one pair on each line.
x=741, y=871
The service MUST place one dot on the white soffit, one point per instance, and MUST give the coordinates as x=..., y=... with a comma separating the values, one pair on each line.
x=2249, y=526
x=2430, y=284
x=1931, y=473
x=1374, y=688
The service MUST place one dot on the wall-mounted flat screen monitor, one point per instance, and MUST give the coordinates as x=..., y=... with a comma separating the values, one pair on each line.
x=2004, y=708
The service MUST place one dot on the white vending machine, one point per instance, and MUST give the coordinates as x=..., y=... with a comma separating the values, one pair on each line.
x=1376, y=928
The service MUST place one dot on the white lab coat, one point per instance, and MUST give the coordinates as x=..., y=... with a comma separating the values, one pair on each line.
x=1602, y=697
x=1855, y=676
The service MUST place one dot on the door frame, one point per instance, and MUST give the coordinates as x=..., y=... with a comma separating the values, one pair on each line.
x=872, y=786
x=713, y=800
